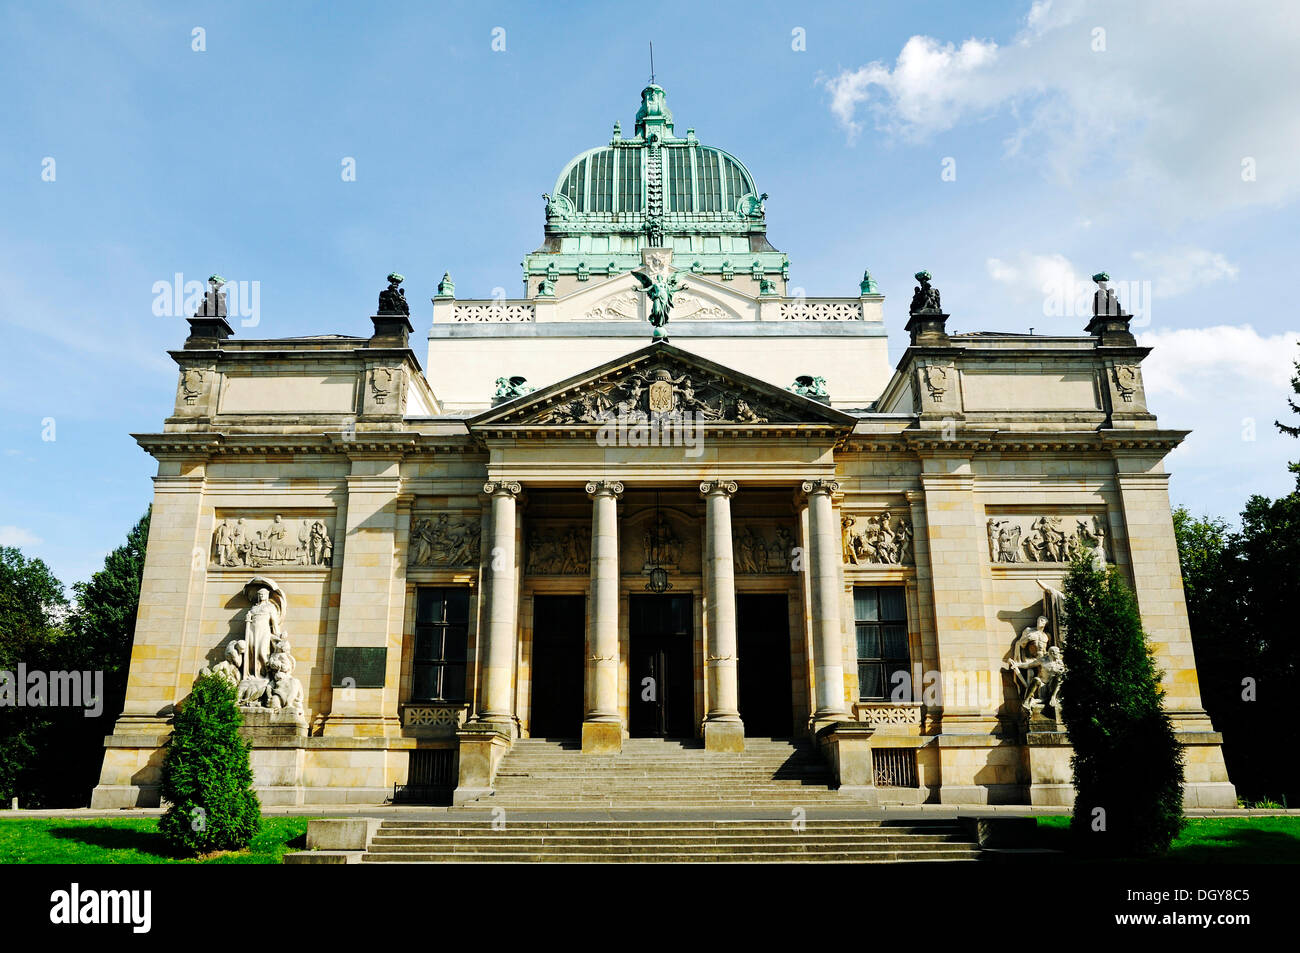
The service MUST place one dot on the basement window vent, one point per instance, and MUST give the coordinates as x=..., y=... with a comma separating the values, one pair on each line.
x=430, y=777
x=895, y=767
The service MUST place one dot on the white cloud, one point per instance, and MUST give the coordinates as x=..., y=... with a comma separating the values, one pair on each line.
x=1225, y=364
x=1227, y=385
x=1181, y=270
x=1183, y=93
x=17, y=536
x=1039, y=276
x=928, y=89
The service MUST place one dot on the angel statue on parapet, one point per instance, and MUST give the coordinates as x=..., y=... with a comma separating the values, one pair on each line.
x=660, y=286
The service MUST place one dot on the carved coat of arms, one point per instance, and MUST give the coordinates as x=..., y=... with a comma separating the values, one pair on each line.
x=661, y=397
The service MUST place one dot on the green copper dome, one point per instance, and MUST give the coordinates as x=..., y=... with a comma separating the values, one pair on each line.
x=695, y=178
x=655, y=189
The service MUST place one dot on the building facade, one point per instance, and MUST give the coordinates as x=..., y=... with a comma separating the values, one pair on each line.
x=655, y=496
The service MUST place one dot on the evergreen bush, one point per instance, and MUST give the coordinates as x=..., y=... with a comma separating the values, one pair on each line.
x=207, y=782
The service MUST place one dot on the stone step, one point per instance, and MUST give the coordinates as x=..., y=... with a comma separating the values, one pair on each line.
x=641, y=857
x=653, y=783
x=678, y=825
x=672, y=844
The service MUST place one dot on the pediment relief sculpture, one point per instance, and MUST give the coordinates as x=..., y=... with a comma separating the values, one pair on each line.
x=623, y=306
x=258, y=543
x=877, y=539
x=1046, y=539
x=659, y=394
x=443, y=541
x=700, y=309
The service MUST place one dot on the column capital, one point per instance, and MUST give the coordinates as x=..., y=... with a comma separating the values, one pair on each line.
x=503, y=488
x=726, y=487
x=809, y=488
x=612, y=488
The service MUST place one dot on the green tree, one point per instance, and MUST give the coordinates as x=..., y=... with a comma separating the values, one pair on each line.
x=32, y=610
x=103, y=629
x=1127, y=761
x=206, y=778
x=1295, y=409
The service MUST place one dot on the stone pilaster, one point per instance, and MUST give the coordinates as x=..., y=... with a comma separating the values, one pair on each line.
x=723, y=730
x=167, y=635
x=1158, y=586
x=825, y=557
x=497, y=647
x=360, y=707
x=602, y=727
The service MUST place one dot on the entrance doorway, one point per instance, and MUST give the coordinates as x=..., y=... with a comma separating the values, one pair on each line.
x=763, y=645
x=661, y=677
x=559, y=632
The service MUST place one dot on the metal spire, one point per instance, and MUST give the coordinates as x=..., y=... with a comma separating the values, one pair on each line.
x=652, y=62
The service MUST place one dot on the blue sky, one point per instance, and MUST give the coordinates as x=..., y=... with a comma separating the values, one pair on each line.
x=1073, y=150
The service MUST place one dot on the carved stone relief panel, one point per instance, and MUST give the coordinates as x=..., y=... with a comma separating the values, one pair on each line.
x=444, y=540
x=556, y=548
x=257, y=540
x=623, y=306
x=936, y=386
x=385, y=389
x=880, y=538
x=674, y=537
x=760, y=547
x=194, y=390
x=1047, y=538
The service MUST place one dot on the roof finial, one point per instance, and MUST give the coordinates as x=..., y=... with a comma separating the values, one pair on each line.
x=652, y=62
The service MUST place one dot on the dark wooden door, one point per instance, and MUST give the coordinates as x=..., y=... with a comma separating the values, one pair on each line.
x=661, y=676
x=763, y=645
x=559, y=633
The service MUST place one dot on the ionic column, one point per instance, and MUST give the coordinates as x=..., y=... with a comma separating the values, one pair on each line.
x=602, y=726
x=496, y=704
x=824, y=537
x=723, y=730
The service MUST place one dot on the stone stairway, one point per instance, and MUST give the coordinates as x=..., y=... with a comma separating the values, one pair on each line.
x=656, y=774
x=668, y=841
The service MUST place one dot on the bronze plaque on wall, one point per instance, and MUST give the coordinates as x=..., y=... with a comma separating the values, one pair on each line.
x=359, y=667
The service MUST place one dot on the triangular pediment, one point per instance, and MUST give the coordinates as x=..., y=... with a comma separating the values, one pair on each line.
x=661, y=382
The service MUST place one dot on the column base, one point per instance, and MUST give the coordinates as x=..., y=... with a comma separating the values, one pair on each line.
x=724, y=736
x=602, y=737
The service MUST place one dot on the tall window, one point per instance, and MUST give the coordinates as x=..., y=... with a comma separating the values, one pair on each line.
x=629, y=170
x=880, y=614
x=708, y=186
x=441, y=632
x=679, y=180
x=736, y=184
x=602, y=181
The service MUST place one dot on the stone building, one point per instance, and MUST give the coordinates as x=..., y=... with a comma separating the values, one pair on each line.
x=564, y=524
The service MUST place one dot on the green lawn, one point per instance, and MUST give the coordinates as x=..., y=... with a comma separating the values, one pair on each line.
x=130, y=841
x=1211, y=840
